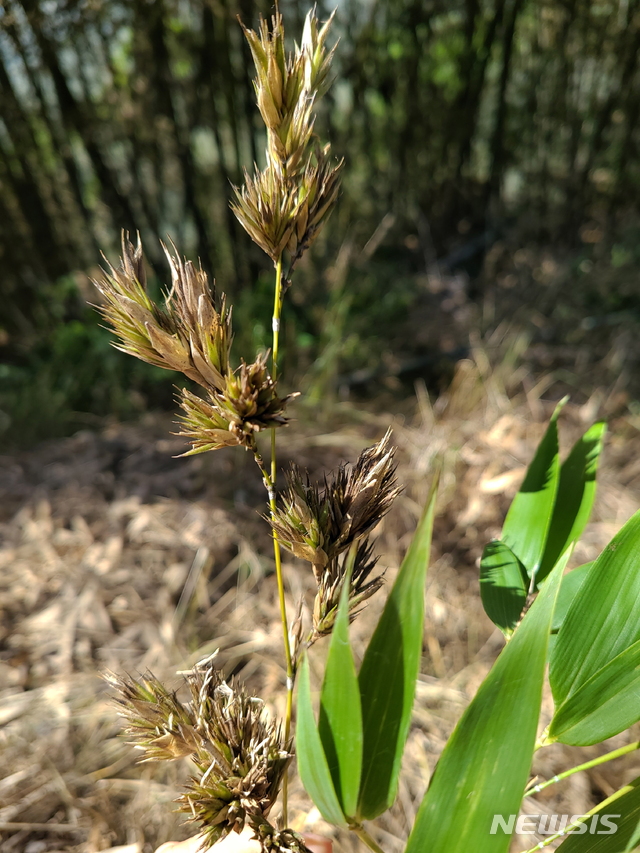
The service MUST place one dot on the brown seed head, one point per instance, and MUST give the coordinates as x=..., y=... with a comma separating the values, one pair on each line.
x=242, y=772
x=158, y=723
x=267, y=208
x=361, y=495
x=240, y=755
x=189, y=333
x=285, y=205
x=327, y=600
x=288, y=86
x=144, y=329
x=318, y=192
x=202, y=320
x=301, y=519
x=247, y=404
x=319, y=524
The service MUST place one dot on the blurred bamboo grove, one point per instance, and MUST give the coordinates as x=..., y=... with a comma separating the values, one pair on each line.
x=140, y=115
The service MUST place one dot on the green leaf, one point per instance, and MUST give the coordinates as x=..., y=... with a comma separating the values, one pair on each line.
x=576, y=492
x=503, y=586
x=571, y=583
x=312, y=762
x=623, y=811
x=602, y=620
x=634, y=839
x=389, y=672
x=340, y=722
x=485, y=765
x=527, y=523
x=604, y=706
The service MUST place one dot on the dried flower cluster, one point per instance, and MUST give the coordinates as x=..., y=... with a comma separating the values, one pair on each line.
x=240, y=757
x=320, y=524
x=239, y=754
x=191, y=333
x=247, y=404
x=284, y=205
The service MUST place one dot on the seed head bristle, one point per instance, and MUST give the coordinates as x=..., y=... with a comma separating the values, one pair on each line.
x=239, y=754
x=284, y=205
x=327, y=600
x=189, y=333
x=247, y=404
x=240, y=777
x=320, y=524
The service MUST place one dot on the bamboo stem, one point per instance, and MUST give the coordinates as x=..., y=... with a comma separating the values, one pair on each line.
x=270, y=482
x=609, y=756
x=364, y=836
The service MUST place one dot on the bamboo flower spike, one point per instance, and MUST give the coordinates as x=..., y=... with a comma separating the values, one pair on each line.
x=321, y=524
x=247, y=404
x=284, y=206
x=240, y=755
x=190, y=333
x=288, y=86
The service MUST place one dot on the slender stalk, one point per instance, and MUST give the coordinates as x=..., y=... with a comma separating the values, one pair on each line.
x=364, y=836
x=609, y=756
x=275, y=325
x=271, y=487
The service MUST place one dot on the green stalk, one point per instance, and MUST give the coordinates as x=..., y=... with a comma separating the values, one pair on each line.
x=608, y=756
x=271, y=486
x=364, y=836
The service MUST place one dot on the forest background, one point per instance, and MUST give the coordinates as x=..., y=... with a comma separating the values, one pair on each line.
x=492, y=171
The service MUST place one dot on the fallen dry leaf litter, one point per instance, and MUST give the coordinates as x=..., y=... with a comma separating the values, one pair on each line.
x=116, y=555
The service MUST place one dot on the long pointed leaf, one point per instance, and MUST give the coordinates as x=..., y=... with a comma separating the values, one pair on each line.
x=571, y=583
x=312, y=762
x=576, y=493
x=340, y=722
x=389, y=672
x=484, y=767
x=602, y=620
x=604, y=706
x=527, y=523
x=503, y=586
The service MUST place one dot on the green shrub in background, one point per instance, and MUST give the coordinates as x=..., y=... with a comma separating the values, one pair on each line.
x=68, y=375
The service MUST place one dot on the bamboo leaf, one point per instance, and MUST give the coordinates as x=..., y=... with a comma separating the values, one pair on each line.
x=602, y=621
x=340, y=722
x=634, y=838
x=571, y=583
x=604, y=706
x=389, y=672
x=484, y=767
x=618, y=833
x=527, y=523
x=576, y=492
x=503, y=586
x=312, y=762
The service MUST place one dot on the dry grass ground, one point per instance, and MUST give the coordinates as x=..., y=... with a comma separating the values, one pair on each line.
x=116, y=556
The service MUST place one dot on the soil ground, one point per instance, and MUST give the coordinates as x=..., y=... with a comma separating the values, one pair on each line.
x=115, y=555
